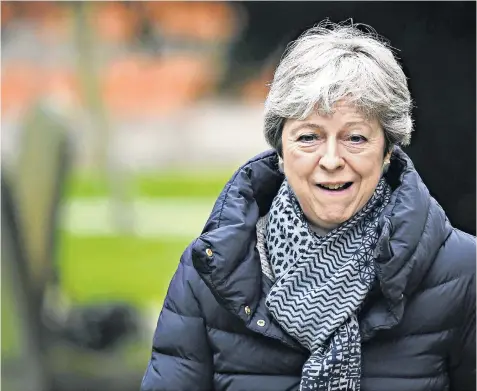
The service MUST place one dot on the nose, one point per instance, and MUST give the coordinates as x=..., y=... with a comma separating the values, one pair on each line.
x=331, y=160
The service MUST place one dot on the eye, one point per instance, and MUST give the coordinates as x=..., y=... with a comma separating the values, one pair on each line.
x=357, y=139
x=307, y=138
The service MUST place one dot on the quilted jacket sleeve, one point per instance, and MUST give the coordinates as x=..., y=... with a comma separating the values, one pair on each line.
x=462, y=371
x=181, y=358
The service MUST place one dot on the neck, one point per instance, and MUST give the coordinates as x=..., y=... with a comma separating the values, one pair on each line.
x=320, y=231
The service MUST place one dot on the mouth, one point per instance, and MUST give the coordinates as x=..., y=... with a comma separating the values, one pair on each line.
x=335, y=187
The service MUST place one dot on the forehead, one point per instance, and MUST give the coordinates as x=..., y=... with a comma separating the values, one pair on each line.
x=342, y=107
x=342, y=115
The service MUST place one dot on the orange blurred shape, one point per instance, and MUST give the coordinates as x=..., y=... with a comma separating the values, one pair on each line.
x=208, y=21
x=50, y=19
x=134, y=86
x=256, y=89
x=21, y=85
x=7, y=11
x=155, y=86
x=36, y=9
x=114, y=21
x=56, y=26
x=62, y=84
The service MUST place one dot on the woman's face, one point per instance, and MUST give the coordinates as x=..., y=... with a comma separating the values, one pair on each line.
x=333, y=163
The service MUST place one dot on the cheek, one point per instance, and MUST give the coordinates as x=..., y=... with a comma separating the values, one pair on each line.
x=298, y=164
x=298, y=172
x=369, y=167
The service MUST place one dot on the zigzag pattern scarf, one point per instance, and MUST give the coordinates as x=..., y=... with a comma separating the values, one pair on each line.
x=321, y=283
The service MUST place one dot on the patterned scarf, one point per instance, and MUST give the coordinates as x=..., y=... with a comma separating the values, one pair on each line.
x=320, y=285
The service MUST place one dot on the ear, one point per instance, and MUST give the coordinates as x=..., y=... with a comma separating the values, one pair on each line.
x=386, y=163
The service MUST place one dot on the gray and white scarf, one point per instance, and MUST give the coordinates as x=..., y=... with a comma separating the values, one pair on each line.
x=320, y=285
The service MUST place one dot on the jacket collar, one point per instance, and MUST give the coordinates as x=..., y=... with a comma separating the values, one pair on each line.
x=412, y=228
x=232, y=269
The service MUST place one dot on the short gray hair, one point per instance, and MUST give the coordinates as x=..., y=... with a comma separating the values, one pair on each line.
x=330, y=62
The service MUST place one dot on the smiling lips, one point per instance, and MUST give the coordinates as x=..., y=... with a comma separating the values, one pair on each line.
x=337, y=186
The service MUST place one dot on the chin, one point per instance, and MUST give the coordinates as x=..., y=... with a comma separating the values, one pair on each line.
x=332, y=221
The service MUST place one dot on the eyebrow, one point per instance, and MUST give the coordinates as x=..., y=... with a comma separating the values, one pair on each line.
x=314, y=126
x=353, y=123
x=306, y=125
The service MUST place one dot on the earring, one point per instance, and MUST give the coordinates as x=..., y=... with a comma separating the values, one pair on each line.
x=280, y=165
x=386, y=166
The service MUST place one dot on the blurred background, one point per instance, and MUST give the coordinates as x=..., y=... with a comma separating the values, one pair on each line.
x=120, y=124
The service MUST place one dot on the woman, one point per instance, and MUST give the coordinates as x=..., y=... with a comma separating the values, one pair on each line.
x=325, y=264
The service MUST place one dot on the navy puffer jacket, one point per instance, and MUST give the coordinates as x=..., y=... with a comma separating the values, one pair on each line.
x=417, y=325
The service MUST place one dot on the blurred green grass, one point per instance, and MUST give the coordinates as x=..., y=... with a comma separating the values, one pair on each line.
x=132, y=269
x=118, y=268
x=170, y=183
